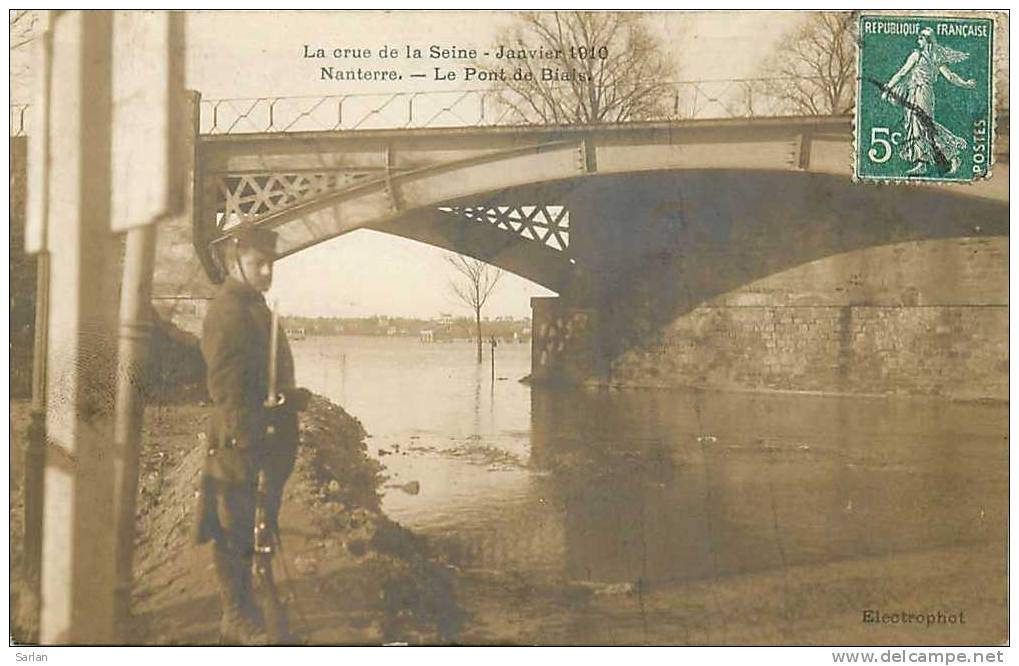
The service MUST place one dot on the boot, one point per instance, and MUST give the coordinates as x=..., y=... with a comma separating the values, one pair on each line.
x=272, y=611
x=249, y=605
x=236, y=627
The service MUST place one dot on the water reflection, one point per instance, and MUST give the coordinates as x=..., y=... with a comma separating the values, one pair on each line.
x=658, y=487
x=644, y=492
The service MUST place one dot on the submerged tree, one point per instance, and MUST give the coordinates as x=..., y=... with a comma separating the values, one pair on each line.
x=812, y=71
x=590, y=67
x=473, y=283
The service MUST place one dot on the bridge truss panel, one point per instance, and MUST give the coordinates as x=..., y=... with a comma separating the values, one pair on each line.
x=548, y=225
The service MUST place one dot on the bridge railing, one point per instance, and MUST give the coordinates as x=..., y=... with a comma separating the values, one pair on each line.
x=728, y=98
x=478, y=107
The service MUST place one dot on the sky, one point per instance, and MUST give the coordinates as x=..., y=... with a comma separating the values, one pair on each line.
x=260, y=54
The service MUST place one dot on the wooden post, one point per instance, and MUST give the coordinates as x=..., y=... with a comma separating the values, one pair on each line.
x=35, y=241
x=35, y=444
x=493, y=343
x=78, y=542
x=135, y=333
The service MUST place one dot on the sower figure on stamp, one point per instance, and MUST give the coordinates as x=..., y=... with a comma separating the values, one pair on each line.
x=249, y=435
x=927, y=142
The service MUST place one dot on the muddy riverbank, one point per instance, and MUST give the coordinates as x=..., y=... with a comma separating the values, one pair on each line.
x=347, y=573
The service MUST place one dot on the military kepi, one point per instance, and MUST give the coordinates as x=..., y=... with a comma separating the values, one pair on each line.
x=255, y=238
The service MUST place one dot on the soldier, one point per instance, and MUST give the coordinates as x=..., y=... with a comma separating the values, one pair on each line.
x=247, y=433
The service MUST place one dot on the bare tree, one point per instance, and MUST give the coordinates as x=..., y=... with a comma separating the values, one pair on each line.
x=591, y=67
x=812, y=71
x=23, y=29
x=473, y=284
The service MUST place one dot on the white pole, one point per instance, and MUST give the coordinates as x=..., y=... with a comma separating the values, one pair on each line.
x=78, y=542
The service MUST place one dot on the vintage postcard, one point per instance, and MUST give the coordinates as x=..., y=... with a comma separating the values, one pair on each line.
x=510, y=328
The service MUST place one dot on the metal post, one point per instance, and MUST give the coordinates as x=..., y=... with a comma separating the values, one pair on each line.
x=135, y=333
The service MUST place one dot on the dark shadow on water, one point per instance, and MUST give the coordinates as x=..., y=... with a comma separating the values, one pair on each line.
x=659, y=486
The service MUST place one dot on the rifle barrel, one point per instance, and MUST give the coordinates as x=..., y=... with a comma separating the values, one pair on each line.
x=273, y=348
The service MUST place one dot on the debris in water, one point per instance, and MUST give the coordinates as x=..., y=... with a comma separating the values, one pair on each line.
x=411, y=487
x=605, y=589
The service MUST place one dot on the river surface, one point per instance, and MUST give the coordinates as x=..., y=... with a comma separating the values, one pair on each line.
x=679, y=517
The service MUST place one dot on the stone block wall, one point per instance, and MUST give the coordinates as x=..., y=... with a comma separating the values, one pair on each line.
x=561, y=344
x=924, y=317
x=180, y=289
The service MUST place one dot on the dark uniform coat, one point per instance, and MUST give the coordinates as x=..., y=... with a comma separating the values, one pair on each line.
x=244, y=436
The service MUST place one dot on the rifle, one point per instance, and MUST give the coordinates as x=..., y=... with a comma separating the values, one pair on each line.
x=273, y=612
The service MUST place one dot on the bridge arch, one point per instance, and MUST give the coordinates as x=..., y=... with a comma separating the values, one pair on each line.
x=435, y=186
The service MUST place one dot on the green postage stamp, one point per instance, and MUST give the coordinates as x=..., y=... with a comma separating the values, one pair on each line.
x=924, y=102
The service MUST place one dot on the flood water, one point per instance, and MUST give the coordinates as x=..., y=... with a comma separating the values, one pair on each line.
x=677, y=517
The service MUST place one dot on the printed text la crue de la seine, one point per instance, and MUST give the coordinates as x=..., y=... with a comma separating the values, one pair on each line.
x=451, y=63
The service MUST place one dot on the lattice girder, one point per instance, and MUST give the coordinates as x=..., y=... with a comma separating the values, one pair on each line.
x=248, y=198
x=547, y=224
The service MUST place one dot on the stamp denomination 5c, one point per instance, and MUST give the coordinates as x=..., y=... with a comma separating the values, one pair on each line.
x=924, y=103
